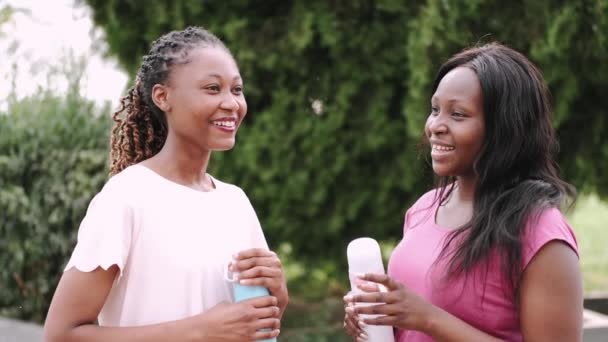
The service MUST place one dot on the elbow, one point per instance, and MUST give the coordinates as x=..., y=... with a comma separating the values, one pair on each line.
x=52, y=336
x=53, y=333
x=63, y=331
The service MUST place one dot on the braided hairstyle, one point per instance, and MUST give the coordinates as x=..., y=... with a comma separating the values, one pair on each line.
x=140, y=127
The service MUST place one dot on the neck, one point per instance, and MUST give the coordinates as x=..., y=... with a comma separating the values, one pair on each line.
x=183, y=162
x=465, y=189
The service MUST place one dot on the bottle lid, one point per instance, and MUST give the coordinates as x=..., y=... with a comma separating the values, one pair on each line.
x=364, y=256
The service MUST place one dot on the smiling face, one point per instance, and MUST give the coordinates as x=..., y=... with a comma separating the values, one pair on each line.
x=455, y=127
x=204, y=99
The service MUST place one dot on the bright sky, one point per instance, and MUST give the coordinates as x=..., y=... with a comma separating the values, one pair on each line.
x=42, y=39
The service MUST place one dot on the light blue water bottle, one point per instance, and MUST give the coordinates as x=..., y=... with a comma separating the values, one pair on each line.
x=243, y=292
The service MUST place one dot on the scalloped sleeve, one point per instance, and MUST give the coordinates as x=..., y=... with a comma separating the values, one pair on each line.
x=104, y=235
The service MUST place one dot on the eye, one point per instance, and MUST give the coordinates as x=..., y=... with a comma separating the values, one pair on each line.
x=237, y=90
x=434, y=110
x=459, y=115
x=213, y=88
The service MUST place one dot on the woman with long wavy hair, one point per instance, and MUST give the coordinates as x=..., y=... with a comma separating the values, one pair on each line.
x=487, y=255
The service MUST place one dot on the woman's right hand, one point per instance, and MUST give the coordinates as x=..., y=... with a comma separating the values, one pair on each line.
x=239, y=321
x=352, y=326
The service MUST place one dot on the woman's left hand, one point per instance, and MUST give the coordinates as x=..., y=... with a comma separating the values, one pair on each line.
x=398, y=306
x=261, y=267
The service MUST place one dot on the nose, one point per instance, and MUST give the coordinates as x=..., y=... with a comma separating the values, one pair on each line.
x=436, y=124
x=230, y=102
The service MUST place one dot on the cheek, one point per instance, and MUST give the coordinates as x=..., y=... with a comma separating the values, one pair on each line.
x=185, y=104
x=481, y=134
x=427, y=130
x=242, y=107
x=476, y=140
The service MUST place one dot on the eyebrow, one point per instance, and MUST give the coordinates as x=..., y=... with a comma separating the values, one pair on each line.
x=453, y=101
x=450, y=101
x=237, y=77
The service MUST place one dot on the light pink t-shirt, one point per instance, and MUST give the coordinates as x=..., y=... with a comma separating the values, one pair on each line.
x=170, y=242
x=411, y=263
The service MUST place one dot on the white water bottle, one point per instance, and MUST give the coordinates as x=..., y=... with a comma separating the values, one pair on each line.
x=364, y=257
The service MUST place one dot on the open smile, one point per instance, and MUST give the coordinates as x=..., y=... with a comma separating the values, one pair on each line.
x=228, y=125
x=440, y=151
x=442, y=148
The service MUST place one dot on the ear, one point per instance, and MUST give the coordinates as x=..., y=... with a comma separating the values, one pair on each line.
x=160, y=97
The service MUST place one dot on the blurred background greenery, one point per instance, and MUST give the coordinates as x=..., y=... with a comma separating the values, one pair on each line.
x=338, y=93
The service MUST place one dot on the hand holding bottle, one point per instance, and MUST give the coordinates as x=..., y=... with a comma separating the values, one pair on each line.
x=248, y=320
x=398, y=306
x=261, y=267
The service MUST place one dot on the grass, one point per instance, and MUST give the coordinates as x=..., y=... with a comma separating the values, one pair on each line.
x=321, y=321
x=589, y=220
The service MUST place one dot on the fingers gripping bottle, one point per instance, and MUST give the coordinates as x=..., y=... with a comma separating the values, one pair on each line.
x=364, y=257
x=244, y=292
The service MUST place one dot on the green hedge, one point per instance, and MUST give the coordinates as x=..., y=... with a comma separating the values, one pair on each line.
x=53, y=159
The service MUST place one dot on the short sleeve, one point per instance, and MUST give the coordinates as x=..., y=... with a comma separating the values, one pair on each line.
x=104, y=236
x=549, y=226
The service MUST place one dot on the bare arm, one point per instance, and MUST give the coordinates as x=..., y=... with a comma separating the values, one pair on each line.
x=77, y=302
x=552, y=296
x=80, y=296
x=446, y=327
x=551, y=303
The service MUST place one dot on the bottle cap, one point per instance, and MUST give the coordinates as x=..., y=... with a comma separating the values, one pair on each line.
x=364, y=256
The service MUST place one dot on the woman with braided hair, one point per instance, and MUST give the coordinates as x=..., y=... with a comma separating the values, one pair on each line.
x=151, y=252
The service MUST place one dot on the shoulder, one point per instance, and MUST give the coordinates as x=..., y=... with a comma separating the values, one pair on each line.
x=427, y=199
x=228, y=188
x=423, y=203
x=234, y=192
x=549, y=223
x=125, y=186
x=236, y=196
x=420, y=210
x=543, y=227
x=131, y=177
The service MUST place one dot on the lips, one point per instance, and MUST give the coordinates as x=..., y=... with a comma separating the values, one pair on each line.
x=440, y=150
x=225, y=124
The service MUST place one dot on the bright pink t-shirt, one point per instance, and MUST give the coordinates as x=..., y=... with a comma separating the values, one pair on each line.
x=483, y=300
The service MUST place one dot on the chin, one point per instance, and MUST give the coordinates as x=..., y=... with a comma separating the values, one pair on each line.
x=442, y=171
x=222, y=147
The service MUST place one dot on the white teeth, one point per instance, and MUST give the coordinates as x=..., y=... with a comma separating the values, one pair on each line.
x=224, y=123
x=442, y=148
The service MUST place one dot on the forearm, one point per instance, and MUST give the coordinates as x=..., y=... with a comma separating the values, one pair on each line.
x=282, y=300
x=445, y=327
x=282, y=296
x=283, y=306
x=170, y=331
